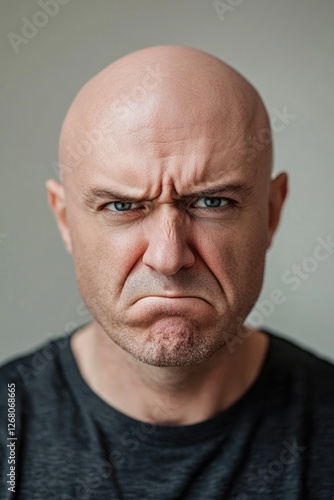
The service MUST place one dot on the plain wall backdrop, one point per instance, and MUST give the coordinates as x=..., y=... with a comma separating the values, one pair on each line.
x=50, y=48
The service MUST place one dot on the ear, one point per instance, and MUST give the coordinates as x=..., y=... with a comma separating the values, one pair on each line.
x=56, y=199
x=277, y=195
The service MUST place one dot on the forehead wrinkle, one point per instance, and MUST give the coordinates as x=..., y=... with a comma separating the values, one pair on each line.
x=168, y=193
x=167, y=142
x=148, y=176
x=217, y=91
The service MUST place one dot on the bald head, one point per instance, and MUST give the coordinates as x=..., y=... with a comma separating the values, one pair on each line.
x=166, y=207
x=161, y=89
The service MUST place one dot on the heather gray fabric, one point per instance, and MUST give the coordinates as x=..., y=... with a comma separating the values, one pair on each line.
x=276, y=442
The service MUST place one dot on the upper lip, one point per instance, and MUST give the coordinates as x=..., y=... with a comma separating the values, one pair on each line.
x=171, y=295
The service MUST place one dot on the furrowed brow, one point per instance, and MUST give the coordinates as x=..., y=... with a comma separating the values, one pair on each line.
x=243, y=190
x=95, y=195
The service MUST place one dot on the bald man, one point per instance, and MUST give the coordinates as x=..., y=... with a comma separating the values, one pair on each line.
x=167, y=393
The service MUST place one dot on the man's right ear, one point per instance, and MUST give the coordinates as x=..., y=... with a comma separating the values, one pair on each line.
x=56, y=199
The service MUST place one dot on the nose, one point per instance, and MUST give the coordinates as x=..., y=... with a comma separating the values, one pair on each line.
x=168, y=250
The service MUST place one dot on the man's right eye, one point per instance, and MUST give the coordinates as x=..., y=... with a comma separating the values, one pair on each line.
x=119, y=206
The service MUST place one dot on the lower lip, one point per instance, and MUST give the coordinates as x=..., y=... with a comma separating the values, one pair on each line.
x=172, y=302
x=168, y=299
x=147, y=308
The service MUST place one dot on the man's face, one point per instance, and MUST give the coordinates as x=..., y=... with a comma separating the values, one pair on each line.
x=170, y=262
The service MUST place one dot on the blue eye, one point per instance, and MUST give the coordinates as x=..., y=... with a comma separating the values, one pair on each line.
x=120, y=206
x=214, y=202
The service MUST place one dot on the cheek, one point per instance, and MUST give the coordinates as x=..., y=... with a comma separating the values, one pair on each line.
x=235, y=255
x=104, y=256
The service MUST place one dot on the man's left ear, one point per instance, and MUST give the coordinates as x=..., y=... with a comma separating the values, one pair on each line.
x=278, y=192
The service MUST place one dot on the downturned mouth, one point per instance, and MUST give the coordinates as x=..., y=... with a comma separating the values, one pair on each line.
x=171, y=296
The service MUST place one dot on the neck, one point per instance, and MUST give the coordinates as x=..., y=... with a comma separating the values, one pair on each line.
x=169, y=395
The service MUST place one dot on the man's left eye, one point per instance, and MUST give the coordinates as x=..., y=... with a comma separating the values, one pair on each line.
x=214, y=202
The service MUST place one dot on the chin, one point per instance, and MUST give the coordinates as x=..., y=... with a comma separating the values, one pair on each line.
x=176, y=342
x=163, y=356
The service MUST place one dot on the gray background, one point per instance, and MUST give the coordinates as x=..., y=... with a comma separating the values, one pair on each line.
x=284, y=47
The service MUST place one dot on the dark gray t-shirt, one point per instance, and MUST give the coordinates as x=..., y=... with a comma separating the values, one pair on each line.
x=276, y=442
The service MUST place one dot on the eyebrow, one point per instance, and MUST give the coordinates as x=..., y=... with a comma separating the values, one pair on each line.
x=242, y=189
x=96, y=194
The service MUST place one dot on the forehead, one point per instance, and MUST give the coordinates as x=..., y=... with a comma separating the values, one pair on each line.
x=188, y=145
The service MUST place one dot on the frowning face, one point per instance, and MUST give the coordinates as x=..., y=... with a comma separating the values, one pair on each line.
x=169, y=222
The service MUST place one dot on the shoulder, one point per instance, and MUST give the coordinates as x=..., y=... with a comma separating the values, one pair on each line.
x=34, y=376
x=289, y=350
x=301, y=371
x=27, y=366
